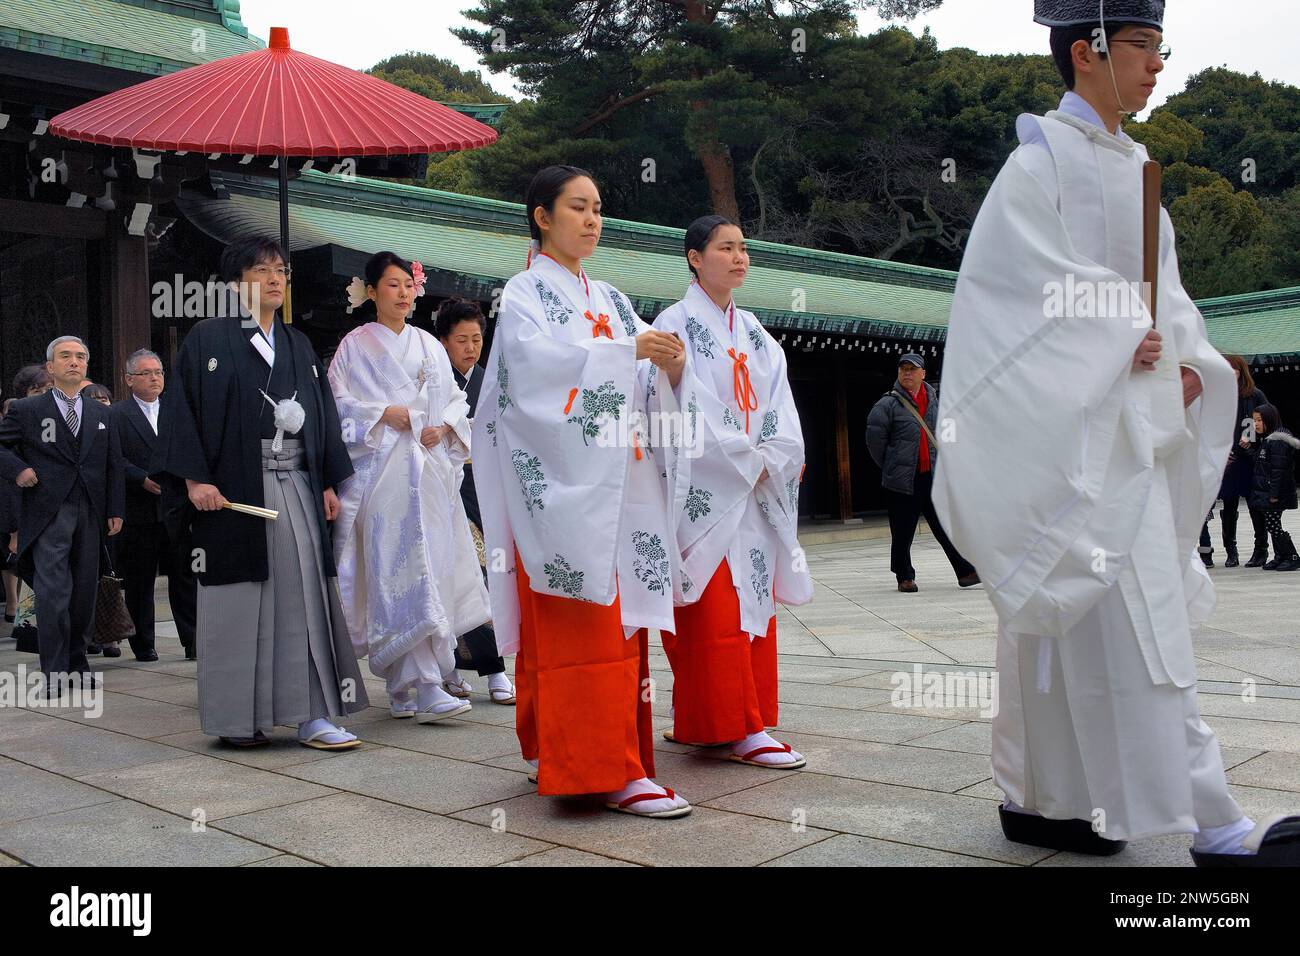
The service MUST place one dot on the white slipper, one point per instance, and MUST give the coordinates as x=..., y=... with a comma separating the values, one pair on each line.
x=434, y=714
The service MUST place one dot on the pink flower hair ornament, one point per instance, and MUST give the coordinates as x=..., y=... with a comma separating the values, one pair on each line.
x=417, y=273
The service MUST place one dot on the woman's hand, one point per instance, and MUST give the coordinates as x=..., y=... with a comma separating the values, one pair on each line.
x=434, y=434
x=398, y=417
x=332, y=506
x=659, y=347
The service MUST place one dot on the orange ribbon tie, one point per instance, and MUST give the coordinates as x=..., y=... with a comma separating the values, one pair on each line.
x=746, y=397
x=599, y=325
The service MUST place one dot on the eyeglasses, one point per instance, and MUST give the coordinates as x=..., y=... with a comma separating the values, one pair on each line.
x=264, y=272
x=147, y=374
x=1152, y=47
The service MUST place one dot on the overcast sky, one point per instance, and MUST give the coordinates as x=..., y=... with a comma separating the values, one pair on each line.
x=1250, y=36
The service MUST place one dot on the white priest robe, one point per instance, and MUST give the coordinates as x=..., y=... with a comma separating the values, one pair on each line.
x=728, y=512
x=589, y=513
x=408, y=570
x=1077, y=486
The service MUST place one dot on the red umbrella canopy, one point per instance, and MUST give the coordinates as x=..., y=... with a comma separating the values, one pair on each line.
x=275, y=101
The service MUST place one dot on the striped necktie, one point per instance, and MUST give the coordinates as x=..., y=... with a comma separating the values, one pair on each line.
x=71, y=416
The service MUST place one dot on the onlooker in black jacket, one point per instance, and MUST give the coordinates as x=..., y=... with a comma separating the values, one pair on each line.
x=905, y=454
x=60, y=449
x=1273, y=488
x=1237, y=476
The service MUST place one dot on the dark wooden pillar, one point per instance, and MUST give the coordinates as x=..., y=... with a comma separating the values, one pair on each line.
x=129, y=312
x=843, y=475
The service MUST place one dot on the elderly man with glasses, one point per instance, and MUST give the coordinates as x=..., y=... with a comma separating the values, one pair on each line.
x=156, y=506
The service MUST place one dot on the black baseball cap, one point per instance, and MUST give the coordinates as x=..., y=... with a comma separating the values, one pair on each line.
x=913, y=358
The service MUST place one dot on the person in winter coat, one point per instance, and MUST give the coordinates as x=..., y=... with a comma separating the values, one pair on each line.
x=904, y=451
x=1273, y=486
x=1237, y=476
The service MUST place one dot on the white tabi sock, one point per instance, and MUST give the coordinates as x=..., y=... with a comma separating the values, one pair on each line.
x=1224, y=839
x=762, y=739
x=645, y=785
x=499, y=682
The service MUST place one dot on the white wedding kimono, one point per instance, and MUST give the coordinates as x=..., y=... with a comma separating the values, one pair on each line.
x=728, y=512
x=589, y=515
x=409, y=575
x=1078, y=486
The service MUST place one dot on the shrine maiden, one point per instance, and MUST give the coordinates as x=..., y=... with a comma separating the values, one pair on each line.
x=576, y=513
x=737, y=530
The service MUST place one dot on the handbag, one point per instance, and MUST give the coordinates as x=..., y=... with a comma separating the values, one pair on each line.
x=24, y=630
x=112, y=620
x=24, y=635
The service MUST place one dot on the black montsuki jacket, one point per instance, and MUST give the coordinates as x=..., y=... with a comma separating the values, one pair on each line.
x=218, y=420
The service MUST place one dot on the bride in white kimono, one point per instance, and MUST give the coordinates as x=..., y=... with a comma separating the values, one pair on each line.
x=408, y=571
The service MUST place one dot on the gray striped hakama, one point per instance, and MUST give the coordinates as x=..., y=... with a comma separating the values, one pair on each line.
x=277, y=652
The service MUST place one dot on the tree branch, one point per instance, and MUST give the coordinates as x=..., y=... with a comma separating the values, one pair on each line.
x=617, y=105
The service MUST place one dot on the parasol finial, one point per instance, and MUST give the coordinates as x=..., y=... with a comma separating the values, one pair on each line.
x=279, y=38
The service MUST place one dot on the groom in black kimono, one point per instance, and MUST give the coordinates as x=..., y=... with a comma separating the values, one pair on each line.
x=255, y=424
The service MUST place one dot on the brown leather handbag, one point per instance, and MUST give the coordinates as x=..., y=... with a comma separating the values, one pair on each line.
x=112, y=620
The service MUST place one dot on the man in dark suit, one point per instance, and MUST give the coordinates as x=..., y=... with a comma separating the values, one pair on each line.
x=64, y=454
x=150, y=540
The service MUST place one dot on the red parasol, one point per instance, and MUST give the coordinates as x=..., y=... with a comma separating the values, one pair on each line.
x=273, y=102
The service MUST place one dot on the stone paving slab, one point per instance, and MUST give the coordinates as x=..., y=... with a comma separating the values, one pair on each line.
x=31, y=792
x=123, y=833
x=886, y=785
x=196, y=784
x=351, y=830
x=705, y=838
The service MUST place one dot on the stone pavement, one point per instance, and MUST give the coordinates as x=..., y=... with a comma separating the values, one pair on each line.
x=885, y=785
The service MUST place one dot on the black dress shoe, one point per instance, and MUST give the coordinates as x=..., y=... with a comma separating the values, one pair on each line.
x=1272, y=565
x=191, y=654
x=908, y=587
x=1074, y=836
x=1232, y=561
x=93, y=648
x=1278, y=846
x=1207, y=558
x=969, y=581
x=1289, y=564
x=147, y=657
x=9, y=618
x=112, y=651
x=1257, y=558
